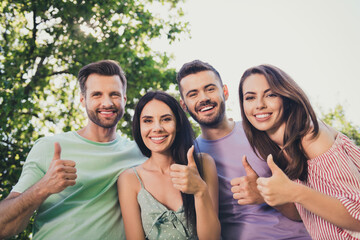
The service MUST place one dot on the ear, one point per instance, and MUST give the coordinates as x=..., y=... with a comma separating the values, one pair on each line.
x=125, y=99
x=183, y=105
x=226, y=92
x=82, y=100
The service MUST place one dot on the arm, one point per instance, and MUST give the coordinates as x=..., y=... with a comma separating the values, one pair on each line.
x=17, y=208
x=326, y=207
x=188, y=180
x=207, y=199
x=128, y=188
x=279, y=189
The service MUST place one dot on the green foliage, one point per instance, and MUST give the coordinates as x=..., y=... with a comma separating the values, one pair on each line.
x=43, y=45
x=336, y=118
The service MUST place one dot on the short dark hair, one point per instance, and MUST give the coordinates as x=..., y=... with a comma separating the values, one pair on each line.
x=195, y=67
x=103, y=67
x=184, y=139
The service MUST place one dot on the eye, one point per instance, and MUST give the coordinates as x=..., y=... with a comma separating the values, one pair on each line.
x=147, y=120
x=272, y=95
x=167, y=119
x=249, y=98
x=211, y=89
x=192, y=95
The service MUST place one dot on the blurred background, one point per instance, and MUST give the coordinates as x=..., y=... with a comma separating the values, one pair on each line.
x=43, y=45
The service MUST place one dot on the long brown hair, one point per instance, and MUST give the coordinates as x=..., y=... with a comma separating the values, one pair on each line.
x=299, y=117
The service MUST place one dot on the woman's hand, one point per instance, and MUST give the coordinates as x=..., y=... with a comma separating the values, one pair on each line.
x=186, y=178
x=277, y=189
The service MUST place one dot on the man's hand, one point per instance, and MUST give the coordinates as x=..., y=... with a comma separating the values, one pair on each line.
x=60, y=175
x=245, y=188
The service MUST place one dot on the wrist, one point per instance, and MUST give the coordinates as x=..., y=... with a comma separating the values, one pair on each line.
x=41, y=191
x=298, y=192
x=202, y=191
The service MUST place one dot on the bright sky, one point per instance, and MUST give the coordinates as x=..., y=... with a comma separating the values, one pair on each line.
x=317, y=42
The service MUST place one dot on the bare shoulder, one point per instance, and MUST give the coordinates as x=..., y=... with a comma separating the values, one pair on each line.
x=315, y=146
x=208, y=165
x=206, y=159
x=129, y=180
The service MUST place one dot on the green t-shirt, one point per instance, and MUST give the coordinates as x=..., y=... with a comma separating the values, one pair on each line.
x=90, y=208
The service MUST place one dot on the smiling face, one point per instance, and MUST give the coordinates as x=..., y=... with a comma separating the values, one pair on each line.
x=204, y=97
x=104, y=100
x=157, y=126
x=262, y=107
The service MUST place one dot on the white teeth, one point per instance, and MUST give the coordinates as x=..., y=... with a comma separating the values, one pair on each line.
x=262, y=115
x=106, y=112
x=206, y=108
x=157, y=138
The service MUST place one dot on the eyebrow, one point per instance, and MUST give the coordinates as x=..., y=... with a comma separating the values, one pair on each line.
x=249, y=92
x=195, y=90
x=162, y=116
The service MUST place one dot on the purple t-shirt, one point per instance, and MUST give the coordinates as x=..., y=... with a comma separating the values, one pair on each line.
x=245, y=221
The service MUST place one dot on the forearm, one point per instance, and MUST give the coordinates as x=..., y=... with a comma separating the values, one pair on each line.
x=326, y=207
x=17, y=209
x=289, y=210
x=207, y=222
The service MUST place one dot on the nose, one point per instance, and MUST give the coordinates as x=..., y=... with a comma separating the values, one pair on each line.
x=260, y=104
x=203, y=96
x=107, y=102
x=157, y=126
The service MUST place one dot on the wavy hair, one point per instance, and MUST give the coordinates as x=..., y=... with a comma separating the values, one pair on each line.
x=184, y=139
x=299, y=117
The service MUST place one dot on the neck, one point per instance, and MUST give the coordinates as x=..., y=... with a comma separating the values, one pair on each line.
x=219, y=131
x=277, y=135
x=160, y=162
x=95, y=133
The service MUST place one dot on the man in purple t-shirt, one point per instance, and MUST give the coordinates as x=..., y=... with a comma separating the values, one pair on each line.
x=203, y=95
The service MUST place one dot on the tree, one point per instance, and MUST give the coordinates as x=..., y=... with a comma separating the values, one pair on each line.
x=336, y=118
x=43, y=44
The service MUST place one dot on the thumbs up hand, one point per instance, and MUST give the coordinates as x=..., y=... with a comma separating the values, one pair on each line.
x=277, y=189
x=245, y=187
x=60, y=175
x=186, y=178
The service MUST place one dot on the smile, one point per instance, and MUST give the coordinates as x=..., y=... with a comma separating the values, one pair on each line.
x=206, y=108
x=262, y=116
x=158, y=138
x=107, y=113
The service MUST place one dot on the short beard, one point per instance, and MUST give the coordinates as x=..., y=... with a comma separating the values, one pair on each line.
x=212, y=122
x=95, y=119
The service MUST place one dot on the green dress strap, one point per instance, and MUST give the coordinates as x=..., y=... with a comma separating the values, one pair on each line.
x=158, y=221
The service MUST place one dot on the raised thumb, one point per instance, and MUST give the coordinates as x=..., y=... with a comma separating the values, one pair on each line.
x=248, y=169
x=273, y=167
x=57, y=151
x=190, y=156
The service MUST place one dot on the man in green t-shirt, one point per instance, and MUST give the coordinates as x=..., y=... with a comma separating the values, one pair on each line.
x=69, y=179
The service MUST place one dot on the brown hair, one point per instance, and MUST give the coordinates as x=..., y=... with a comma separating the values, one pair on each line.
x=195, y=67
x=298, y=115
x=103, y=67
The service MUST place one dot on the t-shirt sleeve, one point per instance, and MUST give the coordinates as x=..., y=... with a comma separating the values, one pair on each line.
x=36, y=165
